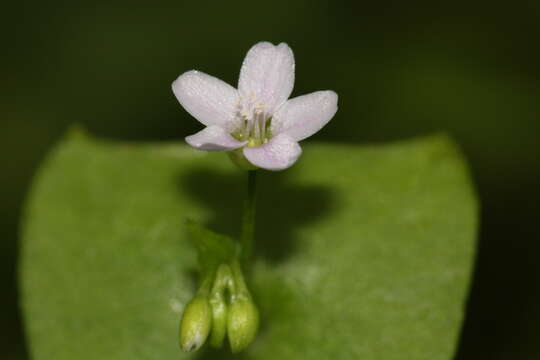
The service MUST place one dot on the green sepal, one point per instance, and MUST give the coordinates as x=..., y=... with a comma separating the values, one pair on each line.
x=238, y=158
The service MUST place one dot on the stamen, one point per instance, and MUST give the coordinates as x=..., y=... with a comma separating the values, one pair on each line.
x=252, y=120
x=255, y=122
x=261, y=125
x=248, y=127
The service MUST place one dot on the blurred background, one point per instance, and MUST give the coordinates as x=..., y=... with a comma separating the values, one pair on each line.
x=401, y=69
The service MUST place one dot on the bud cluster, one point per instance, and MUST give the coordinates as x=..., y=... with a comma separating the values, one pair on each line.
x=221, y=308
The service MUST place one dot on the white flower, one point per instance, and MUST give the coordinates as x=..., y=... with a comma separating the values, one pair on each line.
x=257, y=120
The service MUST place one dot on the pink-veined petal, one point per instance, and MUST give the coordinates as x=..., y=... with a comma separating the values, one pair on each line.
x=214, y=138
x=304, y=115
x=267, y=74
x=206, y=98
x=279, y=153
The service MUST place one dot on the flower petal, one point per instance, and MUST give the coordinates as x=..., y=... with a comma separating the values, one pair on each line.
x=214, y=138
x=304, y=115
x=278, y=154
x=268, y=74
x=206, y=98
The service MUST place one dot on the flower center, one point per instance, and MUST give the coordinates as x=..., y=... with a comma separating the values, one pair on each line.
x=254, y=122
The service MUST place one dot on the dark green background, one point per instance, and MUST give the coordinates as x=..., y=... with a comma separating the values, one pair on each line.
x=401, y=69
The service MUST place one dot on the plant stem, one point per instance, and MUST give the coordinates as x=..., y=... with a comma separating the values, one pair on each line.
x=206, y=283
x=248, y=219
x=240, y=287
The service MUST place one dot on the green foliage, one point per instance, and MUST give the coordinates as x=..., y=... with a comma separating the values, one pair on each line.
x=361, y=252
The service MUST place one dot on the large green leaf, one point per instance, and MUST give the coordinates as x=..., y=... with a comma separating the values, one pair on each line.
x=362, y=252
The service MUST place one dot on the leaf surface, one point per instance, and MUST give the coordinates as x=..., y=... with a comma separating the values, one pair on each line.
x=363, y=252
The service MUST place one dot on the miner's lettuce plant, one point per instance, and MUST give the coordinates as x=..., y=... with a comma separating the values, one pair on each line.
x=261, y=129
x=359, y=251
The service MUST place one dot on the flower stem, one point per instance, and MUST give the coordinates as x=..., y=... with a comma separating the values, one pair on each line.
x=206, y=283
x=248, y=218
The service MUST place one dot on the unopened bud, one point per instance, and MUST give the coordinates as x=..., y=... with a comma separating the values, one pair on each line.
x=219, y=322
x=196, y=323
x=242, y=323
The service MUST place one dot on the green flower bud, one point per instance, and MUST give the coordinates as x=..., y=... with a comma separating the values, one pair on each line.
x=196, y=323
x=242, y=323
x=219, y=321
